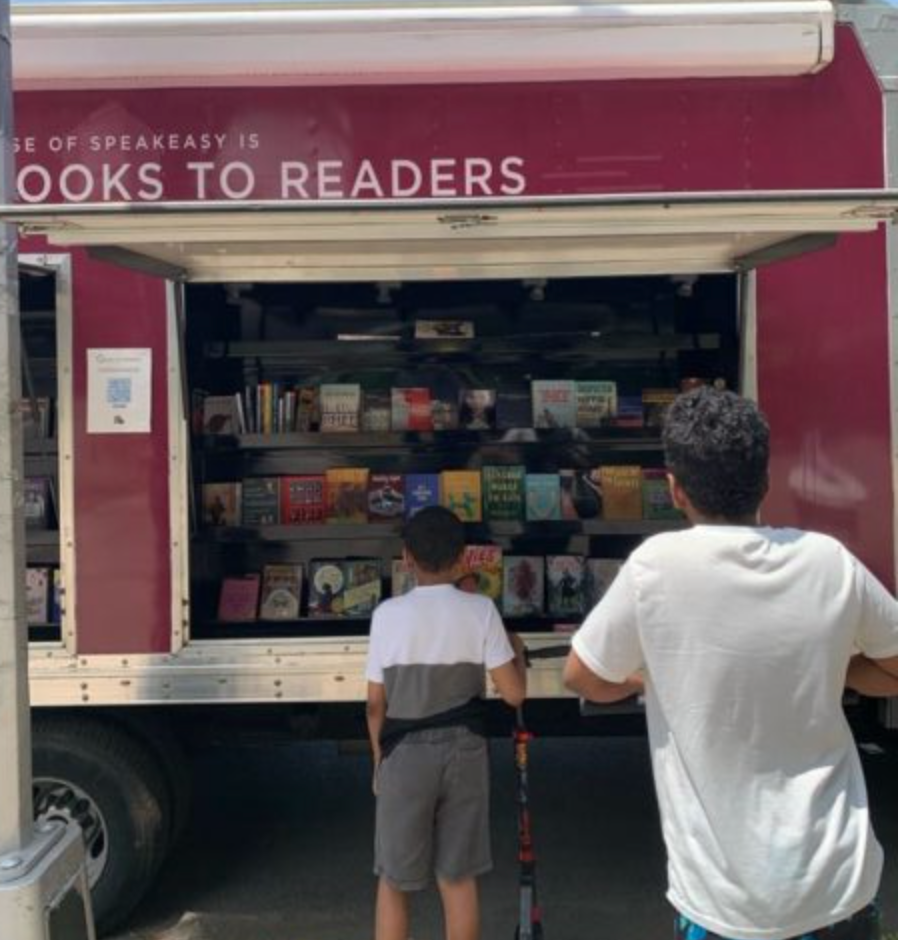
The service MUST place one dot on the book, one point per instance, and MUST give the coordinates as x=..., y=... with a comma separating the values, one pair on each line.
x=514, y=409
x=239, y=599
x=581, y=494
x=410, y=409
x=503, y=493
x=36, y=419
x=261, y=501
x=565, y=585
x=303, y=499
x=543, y=497
x=600, y=572
x=308, y=412
x=386, y=497
x=460, y=492
x=340, y=406
x=523, y=585
x=596, y=403
x=219, y=415
x=444, y=329
x=629, y=412
x=347, y=495
x=421, y=490
x=363, y=586
x=444, y=414
x=377, y=411
x=655, y=402
x=281, y=592
x=402, y=578
x=56, y=595
x=36, y=497
x=477, y=409
x=621, y=492
x=554, y=403
x=221, y=504
x=657, y=502
x=37, y=596
x=327, y=584
x=481, y=569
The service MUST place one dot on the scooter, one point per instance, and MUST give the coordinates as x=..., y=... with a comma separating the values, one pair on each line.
x=530, y=922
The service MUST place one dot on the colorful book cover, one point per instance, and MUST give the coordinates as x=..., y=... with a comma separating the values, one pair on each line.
x=444, y=414
x=303, y=499
x=340, y=407
x=600, y=572
x=327, y=584
x=482, y=571
x=655, y=402
x=377, y=411
x=402, y=578
x=281, y=592
x=219, y=415
x=444, y=329
x=503, y=493
x=221, y=504
x=261, y=501
x=347, y=495
x=543, y=497
x=523, y=585
x=386, y=497
x=411, y=409
x=37, y=595
x=621, y=493
x=629, y=412
x=477, y=409
x=363, y=586
x=581, y=494
x=421, y=490
x=460, y=492
x=565, y=585
x=239, y=599
x=656, y=499
x=514, y=409
x=36, y=495
x=596, y=403
x=554, y=403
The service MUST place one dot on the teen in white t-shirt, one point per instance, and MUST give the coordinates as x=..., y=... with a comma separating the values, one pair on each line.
x=745, y=636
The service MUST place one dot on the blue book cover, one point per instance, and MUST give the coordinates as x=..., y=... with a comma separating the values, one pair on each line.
x=421, y=490
x=543, y=497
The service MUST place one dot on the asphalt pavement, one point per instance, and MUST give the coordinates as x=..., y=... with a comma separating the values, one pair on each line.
x=279, y=846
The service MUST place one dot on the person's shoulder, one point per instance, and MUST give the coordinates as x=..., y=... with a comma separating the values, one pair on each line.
x=663, y=544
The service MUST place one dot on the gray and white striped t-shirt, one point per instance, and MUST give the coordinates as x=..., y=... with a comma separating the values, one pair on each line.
x=430, y=647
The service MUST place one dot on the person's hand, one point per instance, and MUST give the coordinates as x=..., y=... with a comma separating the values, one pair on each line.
x=517, y=644
x=374, y=776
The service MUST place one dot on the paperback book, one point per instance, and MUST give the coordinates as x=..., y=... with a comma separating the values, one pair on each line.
x=554, y=403
x=656, y=499
x=477, y=409
x=411, y=409
x=523, y=585
x=596, y=403
x=220, y=415
x=340, y=407
x=543, y=497
x=565, y=582
x=308, y=412
x=36, y=495
x=221, y=504
x=239, y=599
x=503, y=493
x=621, y=493
x=600, y=572
x=402, y=578
x=303, y=499
x=363, y=587
x=444, y=414
x=581, y=494
x=514, y=409
x=37, y=596
x=281, y=592
x=421, y=490
x=386, y=497
x=460, y=491
x=261, y=499
x=482, y=571
x=347, y=495
x=655, y=402
x=377, y=411
x=327, y=585
x=629, y=412
x=36, y=419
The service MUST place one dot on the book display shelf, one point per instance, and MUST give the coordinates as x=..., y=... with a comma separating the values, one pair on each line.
x=323, y=416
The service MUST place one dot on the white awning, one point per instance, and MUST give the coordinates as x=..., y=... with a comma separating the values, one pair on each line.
x=363, y=241
x=139, y=44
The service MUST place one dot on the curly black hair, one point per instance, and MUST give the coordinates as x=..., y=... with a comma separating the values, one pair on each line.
x=435, y=538
x=717, y=446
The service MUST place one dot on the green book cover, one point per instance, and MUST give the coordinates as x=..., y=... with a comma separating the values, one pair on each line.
x=503, y=493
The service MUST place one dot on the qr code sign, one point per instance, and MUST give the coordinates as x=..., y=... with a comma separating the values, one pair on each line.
x=118, y=391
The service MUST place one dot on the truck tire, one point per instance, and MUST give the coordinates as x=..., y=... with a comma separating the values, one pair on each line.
x=94, y=772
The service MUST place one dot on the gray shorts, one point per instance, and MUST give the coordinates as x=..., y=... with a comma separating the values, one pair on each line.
x=433, y=809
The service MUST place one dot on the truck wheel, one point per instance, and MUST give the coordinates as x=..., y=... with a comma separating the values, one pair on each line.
x=93, y=772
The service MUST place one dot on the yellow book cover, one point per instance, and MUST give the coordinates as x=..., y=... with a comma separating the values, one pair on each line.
x=621, y=493
x=460, y=492
x=347, y=495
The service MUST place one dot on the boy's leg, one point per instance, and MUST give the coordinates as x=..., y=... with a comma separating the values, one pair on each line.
x=391, y=919
x=461, y=908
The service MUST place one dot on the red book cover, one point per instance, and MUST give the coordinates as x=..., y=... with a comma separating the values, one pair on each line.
x=303, y=499
x=411, y=410
x=239, y=600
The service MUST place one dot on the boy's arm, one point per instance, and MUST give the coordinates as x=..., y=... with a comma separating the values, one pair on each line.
x=877, y=678
x=510, y=679
x=581, y=679
x=376, y=713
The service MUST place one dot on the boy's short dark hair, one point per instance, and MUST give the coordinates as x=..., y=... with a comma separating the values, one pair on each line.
x=435, y=538
x=717, y=446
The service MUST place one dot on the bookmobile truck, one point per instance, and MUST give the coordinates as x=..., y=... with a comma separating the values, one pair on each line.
x=248, y=204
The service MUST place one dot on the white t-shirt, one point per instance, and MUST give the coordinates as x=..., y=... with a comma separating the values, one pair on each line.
x=745, y=636
x=430, y=648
